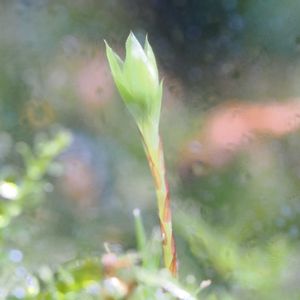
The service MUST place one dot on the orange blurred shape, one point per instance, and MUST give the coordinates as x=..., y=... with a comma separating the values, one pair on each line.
x=231, y=128
x=94, y=83
x=38, y=113
x=78, y=181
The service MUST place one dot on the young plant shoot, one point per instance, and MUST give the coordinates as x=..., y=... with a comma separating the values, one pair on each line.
x=138, y=83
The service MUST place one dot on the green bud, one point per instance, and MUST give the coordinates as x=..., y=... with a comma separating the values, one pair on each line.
x=137, y=81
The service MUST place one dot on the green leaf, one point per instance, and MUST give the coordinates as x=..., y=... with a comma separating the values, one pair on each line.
x=137, y=81
x=150, y=54
x=139, y=231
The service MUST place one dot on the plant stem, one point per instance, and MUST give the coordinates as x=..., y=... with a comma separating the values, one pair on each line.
x=155, y=158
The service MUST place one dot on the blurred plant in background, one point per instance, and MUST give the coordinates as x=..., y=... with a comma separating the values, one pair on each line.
x=15, y=194
x=127, y=276
x=21, y=194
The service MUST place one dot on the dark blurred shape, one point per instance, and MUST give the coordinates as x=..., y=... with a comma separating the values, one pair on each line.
x=190, y=19
x=185, y=32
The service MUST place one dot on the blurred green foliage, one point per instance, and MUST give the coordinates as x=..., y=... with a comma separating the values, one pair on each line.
x=129, y=276
x=27, y=189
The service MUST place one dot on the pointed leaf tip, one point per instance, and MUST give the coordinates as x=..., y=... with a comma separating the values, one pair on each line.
x=150, y=54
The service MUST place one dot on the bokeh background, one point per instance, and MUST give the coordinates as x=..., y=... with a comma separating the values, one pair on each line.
x=238, y=225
